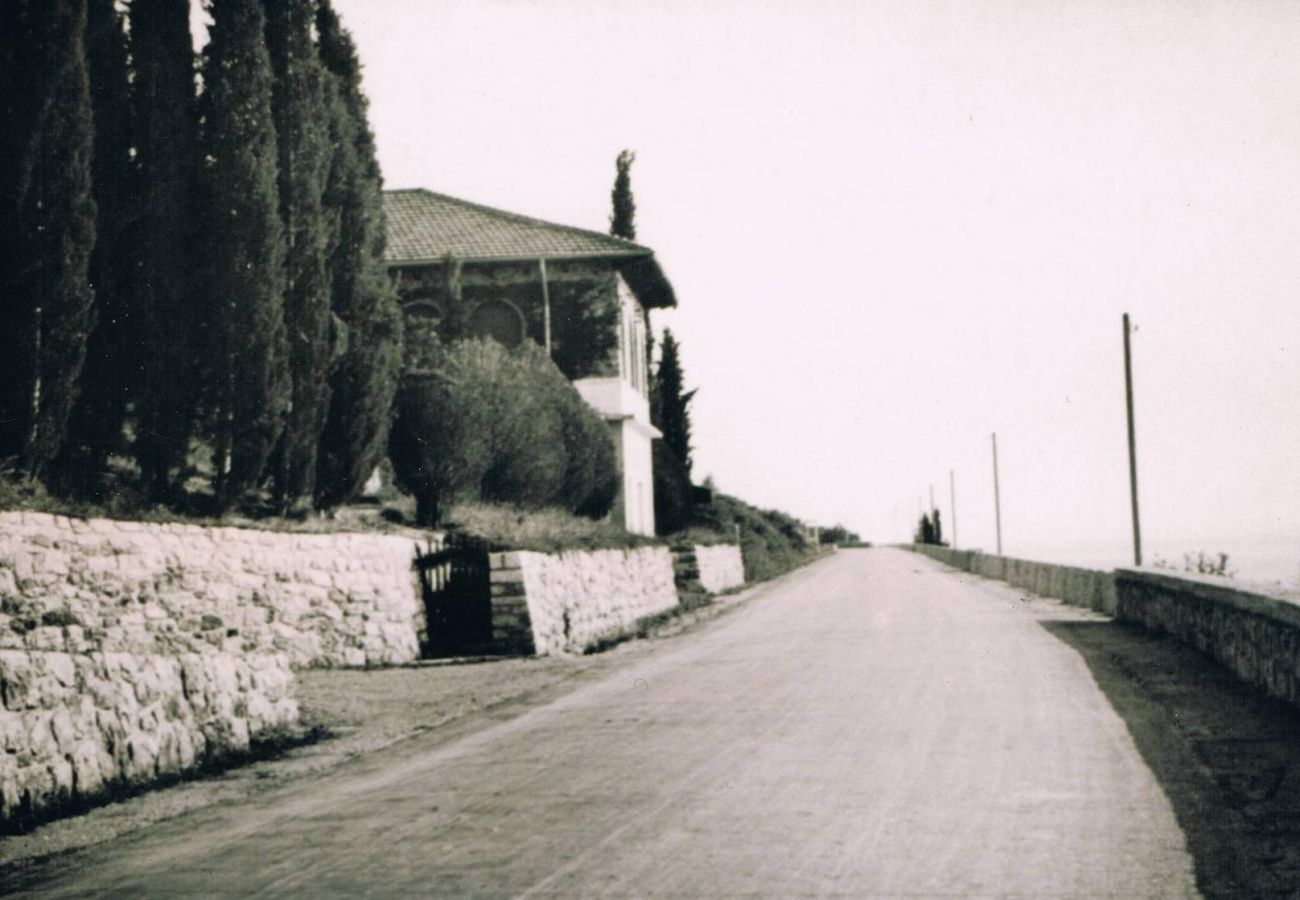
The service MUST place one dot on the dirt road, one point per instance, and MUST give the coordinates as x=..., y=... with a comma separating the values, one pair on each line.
x=875, y=726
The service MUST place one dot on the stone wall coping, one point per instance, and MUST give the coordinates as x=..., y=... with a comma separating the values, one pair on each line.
x=78, y=525
x=1216, y=590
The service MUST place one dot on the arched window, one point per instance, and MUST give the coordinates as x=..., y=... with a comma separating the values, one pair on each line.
x=498, y=320
x=422, y=320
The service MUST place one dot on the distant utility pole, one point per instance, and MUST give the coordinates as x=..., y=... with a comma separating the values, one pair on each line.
x=997, y=494
x=1132, y=447
x=952, y=505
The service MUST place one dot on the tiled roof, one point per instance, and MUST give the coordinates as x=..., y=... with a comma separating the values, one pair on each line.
x=427, y=227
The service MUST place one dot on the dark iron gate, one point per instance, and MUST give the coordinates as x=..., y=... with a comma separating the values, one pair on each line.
x=457, y=599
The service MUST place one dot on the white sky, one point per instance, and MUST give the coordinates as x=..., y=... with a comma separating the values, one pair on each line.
x=895, y=228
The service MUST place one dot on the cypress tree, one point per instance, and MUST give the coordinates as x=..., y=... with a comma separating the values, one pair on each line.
x=247, y=371
x=95, y=426
x=623, y=222
x=671, y=403
x=47, y=224
x=299, y=105
x=165, y=314
x=363, y=385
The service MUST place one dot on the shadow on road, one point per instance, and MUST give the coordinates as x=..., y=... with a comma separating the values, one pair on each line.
x=1228, y=758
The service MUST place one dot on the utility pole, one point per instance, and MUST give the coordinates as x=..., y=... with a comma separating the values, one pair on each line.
x=997, y=495
x=952, y=505
x=1132, y=447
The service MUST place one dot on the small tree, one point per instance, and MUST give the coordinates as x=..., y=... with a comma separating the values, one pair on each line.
x=248, y=376
x=623, y=221
x=47, y=224
x=670, y=403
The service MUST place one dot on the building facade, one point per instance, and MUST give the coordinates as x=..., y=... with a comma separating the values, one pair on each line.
x=465, y=270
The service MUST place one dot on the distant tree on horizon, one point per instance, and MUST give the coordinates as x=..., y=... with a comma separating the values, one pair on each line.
x=47, y=225
x=623, y=221
x=248, y=375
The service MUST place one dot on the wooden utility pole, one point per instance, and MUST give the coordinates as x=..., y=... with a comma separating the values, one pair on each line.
x=1132, y=447
x=997, y=494
x=952, y=505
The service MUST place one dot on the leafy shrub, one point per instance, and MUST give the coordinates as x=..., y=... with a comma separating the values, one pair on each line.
x=500, y=426
x=591, y=473
x=1201, y=564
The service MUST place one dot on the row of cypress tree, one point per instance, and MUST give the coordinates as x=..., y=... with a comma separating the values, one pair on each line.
x=185, y=268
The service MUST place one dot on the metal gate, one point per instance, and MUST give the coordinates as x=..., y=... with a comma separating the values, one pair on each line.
x=457, y=600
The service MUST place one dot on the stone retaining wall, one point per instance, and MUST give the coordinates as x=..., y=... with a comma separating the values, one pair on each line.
x=74, y=726
x=131, y=651
x=567, y=602
x=322, y=599
x=1254, y=636
x=707, y=569
x=720, y=567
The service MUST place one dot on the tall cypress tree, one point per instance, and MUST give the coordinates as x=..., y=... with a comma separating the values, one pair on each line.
x=671, y=403
x=299, y=101
x=247, y=372
x=165, y=348
x=368, y=318
x=95, y=426
x=623, y=222
x=47, y=224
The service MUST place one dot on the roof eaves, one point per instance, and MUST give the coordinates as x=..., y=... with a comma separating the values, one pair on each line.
x=639, y=253
x=525, y=220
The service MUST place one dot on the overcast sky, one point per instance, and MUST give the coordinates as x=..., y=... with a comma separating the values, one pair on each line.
x=895, y=228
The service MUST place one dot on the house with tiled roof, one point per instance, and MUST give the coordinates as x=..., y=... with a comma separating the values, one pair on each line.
x=465, y=270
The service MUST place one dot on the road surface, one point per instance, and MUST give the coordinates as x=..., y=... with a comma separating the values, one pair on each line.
x=874, y=725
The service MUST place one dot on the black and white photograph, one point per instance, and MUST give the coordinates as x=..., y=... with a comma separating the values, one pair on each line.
x=650, y=448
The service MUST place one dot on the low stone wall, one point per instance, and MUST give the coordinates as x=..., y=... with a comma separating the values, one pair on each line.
x=74, y=726
x=1078, y=587
x=701, y=569
x=1254, y=636
x=720, y=567
x=322, y=599
x=566, y=602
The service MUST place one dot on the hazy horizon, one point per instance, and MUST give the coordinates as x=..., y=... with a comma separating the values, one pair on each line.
x=895, y=228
